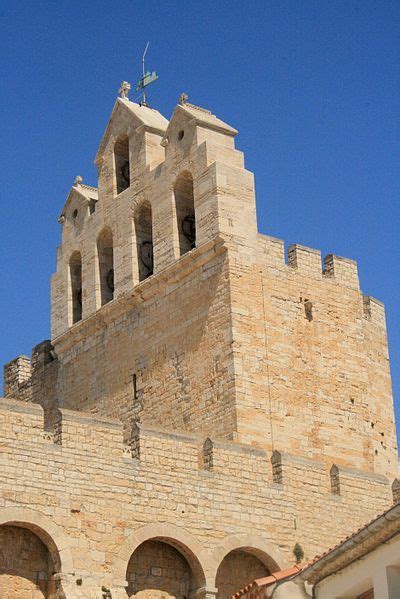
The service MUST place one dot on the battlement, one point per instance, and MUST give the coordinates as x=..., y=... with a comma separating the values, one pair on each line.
x=196, y=378
x=25, y=376
x=17, y=376
x=101, y=490
x=307, y=262
x=101, y=439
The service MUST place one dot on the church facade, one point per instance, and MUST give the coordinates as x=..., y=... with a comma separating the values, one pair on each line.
x=205, y=404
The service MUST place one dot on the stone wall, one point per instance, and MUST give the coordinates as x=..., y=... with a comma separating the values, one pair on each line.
x=313, y=360
x=232, y=400
x=95, y=499
x=244, y=359
x=230, y=339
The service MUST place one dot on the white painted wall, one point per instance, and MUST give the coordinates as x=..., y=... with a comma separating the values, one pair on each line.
x=379, y=570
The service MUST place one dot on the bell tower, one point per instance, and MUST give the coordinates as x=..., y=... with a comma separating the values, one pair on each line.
x=142, y=299
x=207, y=395
x=170, y=309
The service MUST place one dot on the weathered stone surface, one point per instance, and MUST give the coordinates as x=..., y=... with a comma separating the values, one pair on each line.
x=206, y=405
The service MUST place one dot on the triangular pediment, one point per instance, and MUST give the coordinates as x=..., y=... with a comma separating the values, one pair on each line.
x=198, y=116
x=80, y=193
x=135, y=116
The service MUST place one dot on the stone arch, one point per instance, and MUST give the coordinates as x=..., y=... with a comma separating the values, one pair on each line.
x=396, y=490
x=48, y=532
x=121, y=163
x=262, y=557
x=75, y=287
x=187, y=545
x=143, y=225
x=35, y=558
x=105, y=256
x=185, y=213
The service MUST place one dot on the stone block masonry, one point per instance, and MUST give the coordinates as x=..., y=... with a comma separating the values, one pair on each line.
x=104, y=498
x=203, y=403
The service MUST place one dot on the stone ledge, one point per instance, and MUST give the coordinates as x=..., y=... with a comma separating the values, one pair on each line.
x=88, y=418
x=15, y=405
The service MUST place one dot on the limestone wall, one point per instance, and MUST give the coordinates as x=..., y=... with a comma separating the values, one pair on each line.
x=328, y=372
x=102, y=494
x=285, y=355
x=167, y=391
x=230, y=339
x=312, y=356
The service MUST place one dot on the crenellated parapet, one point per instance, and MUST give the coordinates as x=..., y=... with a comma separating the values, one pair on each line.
x=17, y=378
x=99, y=488
x=306, y=261
x=199, y=375
x=101, y=439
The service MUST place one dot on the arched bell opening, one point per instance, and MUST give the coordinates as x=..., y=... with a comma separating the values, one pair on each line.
x=27, y=564
x=105, y=253
x=144, y=240
x=185, y=212
x=238, y=568
x=75, y=278
x=163, y=569
x=121, y=163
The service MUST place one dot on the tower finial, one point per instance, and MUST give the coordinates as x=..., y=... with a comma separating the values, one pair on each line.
x=183, y=98
x=78, y=180
x=124, y=90
x=146, y=79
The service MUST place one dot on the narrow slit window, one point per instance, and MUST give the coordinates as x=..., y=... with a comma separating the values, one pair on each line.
x=144, y=240
x=185, y=212
x=335, y=480
x=75, y=273
x=308, y=309
x=105, y=253
x=134, y=386
x=121, y=162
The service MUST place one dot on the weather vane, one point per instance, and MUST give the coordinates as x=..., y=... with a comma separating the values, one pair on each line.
x=146, y=79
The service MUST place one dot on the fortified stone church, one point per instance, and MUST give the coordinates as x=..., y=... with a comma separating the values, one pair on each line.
x=204, y=405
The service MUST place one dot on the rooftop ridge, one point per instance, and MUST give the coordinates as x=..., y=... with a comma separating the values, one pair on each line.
x=198, y=108
x=91, y=187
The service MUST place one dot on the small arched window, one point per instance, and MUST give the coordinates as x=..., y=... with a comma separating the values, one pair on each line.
x=75, y=277
x=185, y=213
x=105, y=254
x=335, y=480
x=144, y=240
x=121, y=162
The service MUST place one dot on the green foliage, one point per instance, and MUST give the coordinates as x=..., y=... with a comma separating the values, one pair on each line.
x=298, y=553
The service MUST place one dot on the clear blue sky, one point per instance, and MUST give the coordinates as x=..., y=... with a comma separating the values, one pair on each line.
x=312, y=86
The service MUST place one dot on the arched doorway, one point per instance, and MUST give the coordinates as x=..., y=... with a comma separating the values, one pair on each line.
x=26, y=566
x=238, y=568
x=157, y=570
